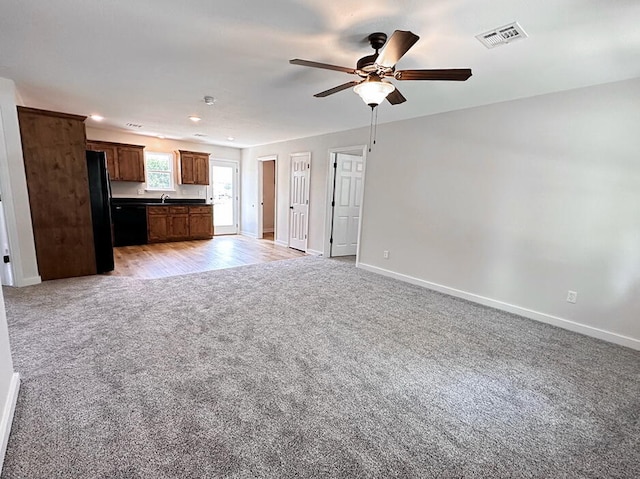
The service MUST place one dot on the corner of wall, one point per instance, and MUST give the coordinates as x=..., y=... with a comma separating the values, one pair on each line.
x=8, y=413
x=13, y=185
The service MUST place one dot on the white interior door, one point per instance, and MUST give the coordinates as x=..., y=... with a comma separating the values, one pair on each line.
x=223, y=193
x=299, y=217
x=347, y=199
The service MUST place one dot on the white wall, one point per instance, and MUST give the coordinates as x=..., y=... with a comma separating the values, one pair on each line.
x=128, y=189
x=15, y=196
x=511, y=204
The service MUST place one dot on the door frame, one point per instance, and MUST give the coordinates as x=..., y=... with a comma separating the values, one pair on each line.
x=331, y=177
x=6, y=269
x=260, y=226
x=306, y=233
x=236, y=188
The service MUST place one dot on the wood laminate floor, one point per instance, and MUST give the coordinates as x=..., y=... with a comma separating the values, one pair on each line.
x=170, y=259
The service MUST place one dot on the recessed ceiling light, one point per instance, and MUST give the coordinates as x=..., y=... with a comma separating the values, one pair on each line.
x=230, y=138
x=195, y=119
x=96, y=117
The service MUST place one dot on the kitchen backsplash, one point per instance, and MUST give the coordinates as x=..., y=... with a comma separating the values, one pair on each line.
x=126, y=189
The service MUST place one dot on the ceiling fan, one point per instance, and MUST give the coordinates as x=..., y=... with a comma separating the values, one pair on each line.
x=373, y=69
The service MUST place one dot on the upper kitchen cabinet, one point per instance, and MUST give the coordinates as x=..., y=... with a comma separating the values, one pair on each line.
x=124, y=162
x=194, y=168
x=131, y=163
x=55, y=164
x=110, y=151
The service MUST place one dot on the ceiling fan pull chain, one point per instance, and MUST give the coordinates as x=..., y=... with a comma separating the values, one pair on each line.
x=371, y=129
x=375, y=128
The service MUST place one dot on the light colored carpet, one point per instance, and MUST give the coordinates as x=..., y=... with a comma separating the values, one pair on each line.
x=307, y=368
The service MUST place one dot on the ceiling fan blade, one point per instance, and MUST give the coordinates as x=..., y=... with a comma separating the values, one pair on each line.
x=336, y=89
x=395, y=97
x=396, y=47
x=454, y=74
x=326, y=66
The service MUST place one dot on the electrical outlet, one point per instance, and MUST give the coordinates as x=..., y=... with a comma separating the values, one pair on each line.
x=141, y=192
x=385, y=254
x=572, y=296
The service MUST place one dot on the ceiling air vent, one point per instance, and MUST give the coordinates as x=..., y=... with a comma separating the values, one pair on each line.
x=199, y=134
x=133, y=125
x=502, y=36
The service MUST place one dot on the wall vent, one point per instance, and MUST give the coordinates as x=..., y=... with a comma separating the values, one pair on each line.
x=502, y=35
x=133, y=125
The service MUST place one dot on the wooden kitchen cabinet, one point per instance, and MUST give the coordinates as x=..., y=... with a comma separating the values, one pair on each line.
x=131, y=163
x=178, y=223
x=201, y=222
x=157, y=219
x=55, y=164
x=124, y=162
x=194, y=168
x=111, y=153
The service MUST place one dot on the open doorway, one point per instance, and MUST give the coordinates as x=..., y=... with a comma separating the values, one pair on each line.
x=345, y=197
x=267, y=187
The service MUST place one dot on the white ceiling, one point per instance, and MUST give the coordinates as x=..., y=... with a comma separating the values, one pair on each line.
x=151, y=62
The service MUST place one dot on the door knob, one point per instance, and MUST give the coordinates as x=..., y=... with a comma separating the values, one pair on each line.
x=290, y=207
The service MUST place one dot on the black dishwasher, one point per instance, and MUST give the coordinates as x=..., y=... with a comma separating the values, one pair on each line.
x=129, y=224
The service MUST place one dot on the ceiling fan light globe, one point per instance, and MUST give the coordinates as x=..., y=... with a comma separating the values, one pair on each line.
x=373, y=92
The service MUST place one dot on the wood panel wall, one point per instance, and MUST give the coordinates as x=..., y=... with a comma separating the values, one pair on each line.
x=54, y=147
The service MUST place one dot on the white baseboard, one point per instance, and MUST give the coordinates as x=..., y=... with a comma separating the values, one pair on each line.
x=30, y=281
x=249, y=234
x=7, y=415
x=314, y=252
x=281, y=243
x=510, y=308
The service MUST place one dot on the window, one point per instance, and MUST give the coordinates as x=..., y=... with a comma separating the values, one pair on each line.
x=158, y=170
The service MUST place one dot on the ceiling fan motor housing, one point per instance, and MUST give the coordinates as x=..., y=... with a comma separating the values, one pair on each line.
x=377, y=41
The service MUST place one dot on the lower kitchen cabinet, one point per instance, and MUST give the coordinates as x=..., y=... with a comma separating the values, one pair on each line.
x=157, y=223
x=200, y=222
x=178, y=223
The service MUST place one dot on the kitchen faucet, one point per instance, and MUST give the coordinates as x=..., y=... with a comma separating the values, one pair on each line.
x=163, y=197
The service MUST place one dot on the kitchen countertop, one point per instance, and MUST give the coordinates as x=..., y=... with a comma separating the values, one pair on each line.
x=157, y=201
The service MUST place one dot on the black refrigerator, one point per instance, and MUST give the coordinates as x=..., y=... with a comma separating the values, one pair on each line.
x=100, y=195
